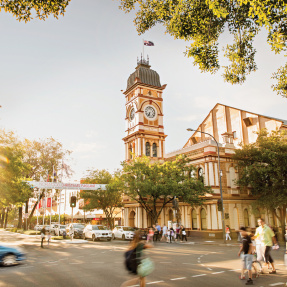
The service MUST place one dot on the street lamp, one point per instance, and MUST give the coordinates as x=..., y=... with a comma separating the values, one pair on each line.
x=219, y=174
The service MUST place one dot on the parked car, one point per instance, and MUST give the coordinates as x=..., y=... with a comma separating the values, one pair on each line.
x=97, y=232
x=38, y=227
x=53, y=227
x=59, y=230
x=123, y=232
x=10, y=255
x=77, y=228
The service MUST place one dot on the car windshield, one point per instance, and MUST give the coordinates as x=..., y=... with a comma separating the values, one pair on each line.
x=80, y=226
x=128, y=229
x=102, y=227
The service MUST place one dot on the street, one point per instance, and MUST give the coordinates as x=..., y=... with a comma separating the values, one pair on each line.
x=87, y=263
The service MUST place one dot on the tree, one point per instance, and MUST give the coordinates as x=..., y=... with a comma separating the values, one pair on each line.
x=45, y=157
x=108, y=200
x=201, y=22
x=24, y=10
x=13, y=190
x=263, y=170
x=154, y=185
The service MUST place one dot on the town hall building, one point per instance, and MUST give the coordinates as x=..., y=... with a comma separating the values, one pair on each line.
x=230, y=126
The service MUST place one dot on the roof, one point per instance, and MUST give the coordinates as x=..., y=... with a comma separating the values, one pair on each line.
x=144, y=74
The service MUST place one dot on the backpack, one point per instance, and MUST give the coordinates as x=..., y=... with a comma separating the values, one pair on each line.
x=131, y=261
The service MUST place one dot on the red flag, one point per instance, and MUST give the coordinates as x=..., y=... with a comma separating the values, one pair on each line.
x=49, y=202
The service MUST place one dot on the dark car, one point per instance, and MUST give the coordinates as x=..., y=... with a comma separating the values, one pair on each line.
x=77, y=228
x=10, y=255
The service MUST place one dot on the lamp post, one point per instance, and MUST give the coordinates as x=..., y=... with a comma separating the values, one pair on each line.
x=220, y=184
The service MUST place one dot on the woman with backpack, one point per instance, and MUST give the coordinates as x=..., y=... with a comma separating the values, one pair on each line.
x=134, y=262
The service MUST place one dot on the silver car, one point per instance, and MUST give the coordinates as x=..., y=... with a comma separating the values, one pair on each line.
x=123, y=232
x=97, y=232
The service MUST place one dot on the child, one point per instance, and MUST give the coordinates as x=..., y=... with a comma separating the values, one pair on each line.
x=150, y=235
x=247, y=256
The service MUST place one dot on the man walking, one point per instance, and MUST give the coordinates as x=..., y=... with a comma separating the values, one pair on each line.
x=164, y=233
x=43, y=234
x=267, y=236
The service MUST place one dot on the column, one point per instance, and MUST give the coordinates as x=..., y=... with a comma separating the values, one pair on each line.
x=163, y=149
x=216, y=174
x=144, y=153
x=206, y=181
x=151, y=149
x=214, y=224
x=208, y=215
x=127, y=151
x=144, y=219
x=139, y=146
x=159, y=149
x=211, y=174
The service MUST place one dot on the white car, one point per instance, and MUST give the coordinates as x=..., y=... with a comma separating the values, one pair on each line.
x=59, y=229
x=123, y=232
x=53, y=228
x=97, y=232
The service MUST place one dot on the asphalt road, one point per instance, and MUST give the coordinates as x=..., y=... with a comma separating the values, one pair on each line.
x=86, y=263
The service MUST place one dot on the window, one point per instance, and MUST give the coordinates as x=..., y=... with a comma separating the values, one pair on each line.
x=246, y=218
x=203, y=219
x=194, y=219
x=147, y=149
x=154, y=150
x=130, y=152
x=200, y=174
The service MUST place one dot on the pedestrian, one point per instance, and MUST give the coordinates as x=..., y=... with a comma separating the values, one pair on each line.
x=43, y=234
x=48, y=237
x=171, y=234
x=134, y=259
x=164, y=233
x=177, y=235
x=183, y=233
x=227, y=232
x=246, y=249
x=158, y=230
x=267, y=237
x=150, y=235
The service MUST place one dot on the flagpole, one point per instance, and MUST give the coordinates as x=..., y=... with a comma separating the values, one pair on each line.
x=143, y=48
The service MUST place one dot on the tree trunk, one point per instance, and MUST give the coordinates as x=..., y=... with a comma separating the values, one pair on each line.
x=20, y=218
x=34, y=207
x=26, y=212
x=2, y=217
x=6, y=217
x=283, y=221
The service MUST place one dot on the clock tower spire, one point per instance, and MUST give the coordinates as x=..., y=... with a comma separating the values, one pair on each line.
x=144, y=133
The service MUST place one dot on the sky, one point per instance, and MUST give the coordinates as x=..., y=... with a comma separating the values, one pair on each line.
x=63, y=79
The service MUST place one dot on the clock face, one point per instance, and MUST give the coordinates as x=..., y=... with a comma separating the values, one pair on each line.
x=150, y=112
x=132, y=114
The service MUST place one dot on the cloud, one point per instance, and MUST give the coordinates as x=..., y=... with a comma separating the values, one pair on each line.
x=187, y=118
x=87, y=149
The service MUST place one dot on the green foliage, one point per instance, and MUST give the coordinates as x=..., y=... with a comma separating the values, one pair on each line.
x=108, y=200
x=281, y=86
x=155, y=185
x=201, y=22
x=263, y=169
x=24, y=10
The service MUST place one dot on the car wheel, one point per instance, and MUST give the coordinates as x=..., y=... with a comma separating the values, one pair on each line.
x=123, y=237
x=94, y=237
x=84, y=236
x=109, y=239
x=9, y=260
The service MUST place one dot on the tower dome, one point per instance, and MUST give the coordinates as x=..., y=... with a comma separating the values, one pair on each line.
x=144, y=74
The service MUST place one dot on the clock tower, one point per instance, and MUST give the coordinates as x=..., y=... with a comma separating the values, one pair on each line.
x=144, y=134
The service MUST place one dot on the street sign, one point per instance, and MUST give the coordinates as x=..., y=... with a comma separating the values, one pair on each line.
x=61, y=185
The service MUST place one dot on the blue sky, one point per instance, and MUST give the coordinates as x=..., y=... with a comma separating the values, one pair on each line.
x=63, y=78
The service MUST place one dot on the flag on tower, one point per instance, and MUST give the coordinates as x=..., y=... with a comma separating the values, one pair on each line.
x=148, y=43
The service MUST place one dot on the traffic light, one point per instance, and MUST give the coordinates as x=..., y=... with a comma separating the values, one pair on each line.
x=73, y=201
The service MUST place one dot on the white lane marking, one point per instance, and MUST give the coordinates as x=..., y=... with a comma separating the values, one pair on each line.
x=100, y=262
x=280, y=264
x=190, y=263
x=209, y=268
x=155, y=282
x=275, y=284
x=198, y=275
x=234, y=270
x=178, y=278
x=218, y=272
x=202, y=265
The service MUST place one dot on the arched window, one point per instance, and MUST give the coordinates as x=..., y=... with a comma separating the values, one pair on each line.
x=194, y=219
x=200, y=174
x=147, y=149
x=246, y=218
x=131, y=152
x=232, y=177
x=154, y=150
x=203, y=219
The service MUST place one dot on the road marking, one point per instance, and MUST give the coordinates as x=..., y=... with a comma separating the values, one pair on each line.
x=218, y=272
x=275, y=284
x=99, y=262
x=209, y=268
x=155, y=282
x=75, y=263
x=234, y=270
x=198, y=275
x=178, y=278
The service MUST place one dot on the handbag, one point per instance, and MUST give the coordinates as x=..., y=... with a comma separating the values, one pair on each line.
x=145, y=268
